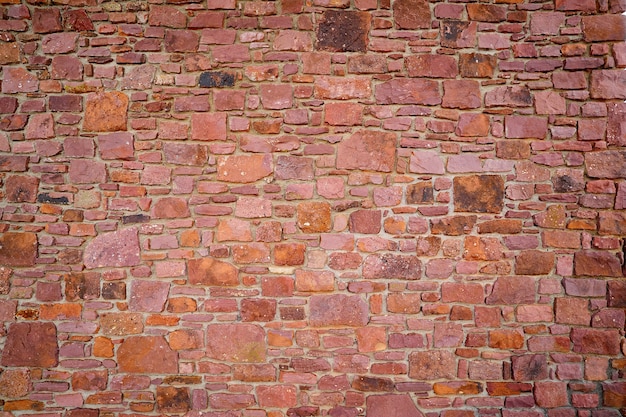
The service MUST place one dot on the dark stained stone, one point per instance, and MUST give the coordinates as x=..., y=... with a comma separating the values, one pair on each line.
x=343, y=31
x=46, y=198
x=31, y=344
x=479, y=194
x=419, y=193
x=453, y=226
x=173, y=399
x=475, y=65
x=216, y=79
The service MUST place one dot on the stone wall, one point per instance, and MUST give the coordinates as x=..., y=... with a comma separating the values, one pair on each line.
x=225, y=208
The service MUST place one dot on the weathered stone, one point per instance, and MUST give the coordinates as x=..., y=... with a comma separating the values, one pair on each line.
x=513, y=290
x=216, y=79
x=529, y=367
x=608, y=84
x=368, y=150
x=534, y=262
x=365, y=221
x=551, y=394
x=31, y=344
x=147, y=355
x=595, y=341
x=209, y=272
x=597, y=263
x=121, y=324
x=294, y=168
x=18, y=80
x=473, y=124
x=343, y=31
x=149, y=296
x=546, y=23
x=453, y=226
x=478, y=194
x=114, y=249
x=181, y=41
x=186, y=154
x=18, y=249
x=475, y=65
x=606, y=164
x=314, y=217
x=616, y=125
x=337, y=310
x=139, y=78
x=15, y=383
x=77, y=20
x=437, y=66
x=616, y=296
x=66, y=67
x=461, y=94
x=419, y=193
x=601, y=28
x=236, y=343
x=486, y=12
x=459, y=34
x=106, y=112
x=83, y=171
x=513, y=96
x=614, y=394
x=47, y=20
x=244, y=168
x=342, y=88
x=21, y=189
x=82, y=286
x=116, y=145
x=173, y=399
x=9, y=53
x=432, y=365
x=167, y=16
x=411, y=14
x=391, y=266
x=258, y=310
x=524, y=127
x=408, y=91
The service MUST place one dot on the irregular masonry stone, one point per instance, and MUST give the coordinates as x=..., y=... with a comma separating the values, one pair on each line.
x=368, y=150
x=338, y=310
x=31, y=344
x=106, y=112
x=239, y=343
x=18, y=249
x=114, y=249
x=343, y=31
x=147, y=355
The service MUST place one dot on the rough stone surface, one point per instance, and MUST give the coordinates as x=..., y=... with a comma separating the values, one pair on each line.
x=299, y=208
x=106, y=112
x=116, y=249
x=147, y=355
x=18, y=249
x=236, y=343
x=31, y=344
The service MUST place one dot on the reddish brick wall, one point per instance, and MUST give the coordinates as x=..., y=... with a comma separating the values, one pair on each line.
x=228, y=208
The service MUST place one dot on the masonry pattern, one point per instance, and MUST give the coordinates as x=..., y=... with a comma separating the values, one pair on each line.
x=224, y=208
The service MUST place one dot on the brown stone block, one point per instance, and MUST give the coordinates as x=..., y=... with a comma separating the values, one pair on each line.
x=147, y=355
x=606, y=27
x=479, y=194
x=209, y=271
x=475, y=65
x=106, y=112
x=343, y=31
x=18, y=249
x=534, y=262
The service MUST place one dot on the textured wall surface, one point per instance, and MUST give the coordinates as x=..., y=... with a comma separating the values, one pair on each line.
x=224, y=208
